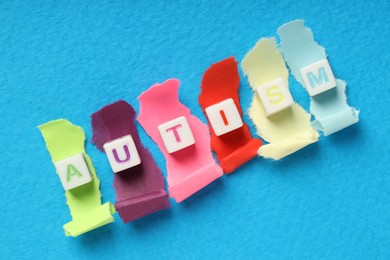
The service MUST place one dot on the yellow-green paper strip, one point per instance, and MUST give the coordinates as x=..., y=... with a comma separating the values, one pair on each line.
x=63, y=140
x=288, y=130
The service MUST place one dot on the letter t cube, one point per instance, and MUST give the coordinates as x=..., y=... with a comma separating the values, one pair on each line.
x=176, y=134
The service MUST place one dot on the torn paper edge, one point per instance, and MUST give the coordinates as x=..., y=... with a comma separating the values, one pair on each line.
x=283, y=146
x=303, y=36
x=98, y=217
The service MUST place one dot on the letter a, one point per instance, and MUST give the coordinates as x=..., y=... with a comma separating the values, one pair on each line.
x=72, y=171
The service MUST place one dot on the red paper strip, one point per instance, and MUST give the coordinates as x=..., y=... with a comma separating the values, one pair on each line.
x=140, y=189
x=221, y=81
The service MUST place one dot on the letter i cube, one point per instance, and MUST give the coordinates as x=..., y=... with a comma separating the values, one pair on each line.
x=224, y=117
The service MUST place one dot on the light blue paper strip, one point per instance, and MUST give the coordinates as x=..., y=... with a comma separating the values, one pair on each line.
x=330, y=108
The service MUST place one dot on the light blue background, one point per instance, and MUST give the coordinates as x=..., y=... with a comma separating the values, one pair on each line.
x=70, y=58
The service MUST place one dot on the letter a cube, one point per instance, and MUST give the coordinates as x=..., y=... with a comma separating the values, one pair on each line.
x=73, y=172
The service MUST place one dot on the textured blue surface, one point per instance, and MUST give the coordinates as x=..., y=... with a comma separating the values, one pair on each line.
x=330, y=200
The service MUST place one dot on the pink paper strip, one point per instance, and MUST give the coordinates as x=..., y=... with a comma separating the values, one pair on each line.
x=140, y=189
x=192, y=168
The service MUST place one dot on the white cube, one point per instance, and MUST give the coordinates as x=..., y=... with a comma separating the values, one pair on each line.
x=122, y=153
x=224, y=117
x=73, y=172
x=176, y=134
x=318, y=77
x=275, y=96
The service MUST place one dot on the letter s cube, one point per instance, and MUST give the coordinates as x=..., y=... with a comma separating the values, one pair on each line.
x=275, y=96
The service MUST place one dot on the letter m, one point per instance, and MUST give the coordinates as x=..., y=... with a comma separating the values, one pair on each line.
x=318, y=81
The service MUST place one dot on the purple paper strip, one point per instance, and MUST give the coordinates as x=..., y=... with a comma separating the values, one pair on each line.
x=139, y=190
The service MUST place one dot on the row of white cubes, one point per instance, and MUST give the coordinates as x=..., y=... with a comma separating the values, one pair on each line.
x=176, y=134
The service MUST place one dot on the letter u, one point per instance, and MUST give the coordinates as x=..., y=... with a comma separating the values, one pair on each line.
x=127, y=153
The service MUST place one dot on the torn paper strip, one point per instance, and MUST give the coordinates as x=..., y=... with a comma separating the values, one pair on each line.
x=288, y=130
x=221, y=82
x=64, y=140
x=190, y=168
x=140, y=189
x=329, y=108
